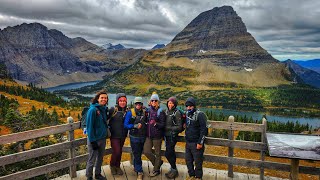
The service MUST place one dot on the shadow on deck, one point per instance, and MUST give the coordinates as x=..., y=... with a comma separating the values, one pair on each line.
x=129, y=174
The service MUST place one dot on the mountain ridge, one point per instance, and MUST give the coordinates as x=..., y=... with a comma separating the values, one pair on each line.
x=34, y=54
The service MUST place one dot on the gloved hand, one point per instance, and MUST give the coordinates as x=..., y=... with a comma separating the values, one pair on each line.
x=137, y=126
x=94, y=145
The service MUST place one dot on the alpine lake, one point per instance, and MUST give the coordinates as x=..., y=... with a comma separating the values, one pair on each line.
x=314, y=122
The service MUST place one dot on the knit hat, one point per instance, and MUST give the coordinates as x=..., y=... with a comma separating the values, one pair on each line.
x=174, y=100
x=119, y=95
x=155, y=96
x=137, y=100
x=191, y=102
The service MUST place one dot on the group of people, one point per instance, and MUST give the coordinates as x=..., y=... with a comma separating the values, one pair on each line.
x=147, y=127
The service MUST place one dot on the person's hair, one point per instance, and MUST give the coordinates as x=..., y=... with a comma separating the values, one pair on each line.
x=97, y=96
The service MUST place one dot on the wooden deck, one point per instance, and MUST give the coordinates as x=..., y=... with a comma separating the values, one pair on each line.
x=129, y=174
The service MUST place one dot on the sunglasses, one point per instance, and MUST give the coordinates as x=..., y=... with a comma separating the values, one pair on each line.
x=154, y=100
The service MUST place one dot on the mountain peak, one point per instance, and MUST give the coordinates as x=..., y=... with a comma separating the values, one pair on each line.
x=221, y=34
x=158, y=46
x=110, y=46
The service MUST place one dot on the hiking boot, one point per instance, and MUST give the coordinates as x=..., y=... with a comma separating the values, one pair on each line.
x=89, y=178
x=99, y=177
x=154, y=173
x=119, y=171
x=173, y=173
x=140, y=176
x=113, y=170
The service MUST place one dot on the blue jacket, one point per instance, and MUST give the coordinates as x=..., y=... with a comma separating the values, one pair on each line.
x=130, y=122
x=96, y=122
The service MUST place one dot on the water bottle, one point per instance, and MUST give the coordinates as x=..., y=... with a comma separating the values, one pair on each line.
x=84, y=130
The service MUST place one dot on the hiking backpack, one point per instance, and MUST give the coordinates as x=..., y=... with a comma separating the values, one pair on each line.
x=84, y=112
x=183, y=118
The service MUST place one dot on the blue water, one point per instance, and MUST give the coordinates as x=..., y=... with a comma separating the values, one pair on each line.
x=71, y=86
x=314, y=122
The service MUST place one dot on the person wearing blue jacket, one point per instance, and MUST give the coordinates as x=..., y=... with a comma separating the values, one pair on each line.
x=135, y=121
x=96, y=125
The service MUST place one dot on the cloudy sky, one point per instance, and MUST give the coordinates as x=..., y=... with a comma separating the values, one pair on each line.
x=288, y=29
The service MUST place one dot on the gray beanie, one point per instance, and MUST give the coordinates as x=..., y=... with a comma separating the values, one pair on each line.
x=155, y=96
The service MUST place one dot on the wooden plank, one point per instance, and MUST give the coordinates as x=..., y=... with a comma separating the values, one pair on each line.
x=21, y=136
x=129, y=170
x=247, y=162
x=236, y=126
x=183, y=172
x=209, y=174
x=146, y=169
x=164, y=169
x=236, y=144
x=120, y=177
x=222, y=175
x=71, y=153
x=294, y=170
x=107, y=172
x=263, y=140
x=29, y=173
x=21, y=156
x=309, y=170
x=230, y=149
x=81, y=175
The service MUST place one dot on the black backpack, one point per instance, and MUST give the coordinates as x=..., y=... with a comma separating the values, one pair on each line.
x=83, y=119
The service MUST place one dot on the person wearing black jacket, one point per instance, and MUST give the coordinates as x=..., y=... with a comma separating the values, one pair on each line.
x=196, y=131
x=118, y=132
x=172, y=128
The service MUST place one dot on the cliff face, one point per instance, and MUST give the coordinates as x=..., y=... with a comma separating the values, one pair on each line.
x=219, y=34
x=34, y=54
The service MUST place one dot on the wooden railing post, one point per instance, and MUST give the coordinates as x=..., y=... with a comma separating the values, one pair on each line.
x=72, y=168
x=263, y=140
x=230, y=149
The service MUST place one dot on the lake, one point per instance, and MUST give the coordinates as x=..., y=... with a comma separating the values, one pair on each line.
x=71, y=86
x=314, y=122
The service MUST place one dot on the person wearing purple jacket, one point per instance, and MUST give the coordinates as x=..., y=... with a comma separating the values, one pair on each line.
x=155, y=131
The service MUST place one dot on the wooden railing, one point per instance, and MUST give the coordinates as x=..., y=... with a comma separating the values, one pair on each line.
x=73, y=160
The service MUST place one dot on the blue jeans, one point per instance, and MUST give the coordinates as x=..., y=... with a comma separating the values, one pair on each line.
x=137, y=144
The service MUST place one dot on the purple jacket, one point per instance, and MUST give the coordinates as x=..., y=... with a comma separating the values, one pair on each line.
x=156, y=131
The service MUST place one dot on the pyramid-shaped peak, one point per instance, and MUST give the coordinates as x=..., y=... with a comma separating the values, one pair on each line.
x=219, y=32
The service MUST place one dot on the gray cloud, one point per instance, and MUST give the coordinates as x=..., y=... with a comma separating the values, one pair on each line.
x=286, y=29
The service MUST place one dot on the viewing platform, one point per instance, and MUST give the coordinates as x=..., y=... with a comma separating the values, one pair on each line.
x=129, y=174
x=73, y=155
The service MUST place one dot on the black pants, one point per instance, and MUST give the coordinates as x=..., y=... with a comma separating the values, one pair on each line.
x=194, y=155
x=170, y=153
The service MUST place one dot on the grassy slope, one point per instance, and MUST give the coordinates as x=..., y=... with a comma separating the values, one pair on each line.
x=25, y=105
x=182, y=78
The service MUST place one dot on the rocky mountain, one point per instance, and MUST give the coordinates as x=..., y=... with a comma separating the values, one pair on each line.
x=109, y=46
x=214, y=50
x=310, y=64
x=34, y=54
x=219, y=34
x=158, y=46
x=303, y=75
